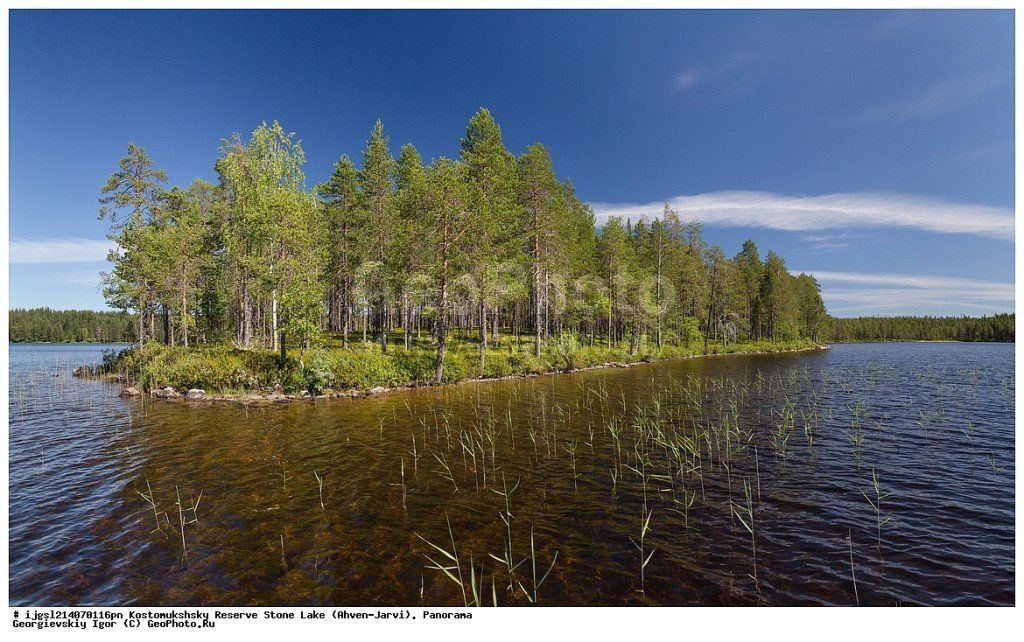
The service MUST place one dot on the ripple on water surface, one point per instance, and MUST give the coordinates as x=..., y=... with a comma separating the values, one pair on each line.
x=788, y=444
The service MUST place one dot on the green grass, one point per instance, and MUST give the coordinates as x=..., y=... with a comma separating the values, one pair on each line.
x=226, y=369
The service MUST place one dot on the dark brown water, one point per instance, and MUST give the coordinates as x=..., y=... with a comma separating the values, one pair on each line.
x=589, y=456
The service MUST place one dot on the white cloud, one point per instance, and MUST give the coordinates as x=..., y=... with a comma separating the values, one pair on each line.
x=728, y=74
x=685, y=80
x=829, y=242
x=868, y=293
x=59, y=250
x=891, y=24
x=914, y=281
x=828, y=246
x=827, y=211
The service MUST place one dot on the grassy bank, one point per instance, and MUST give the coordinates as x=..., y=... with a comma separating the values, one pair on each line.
x=224, y=369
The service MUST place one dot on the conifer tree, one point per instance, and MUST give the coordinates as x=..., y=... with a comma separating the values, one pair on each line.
x=411, y=193
x=130, y=195
x=493, y=184
x=538, y=194
x=449, y=217
x=344, y=222
x=376, y=190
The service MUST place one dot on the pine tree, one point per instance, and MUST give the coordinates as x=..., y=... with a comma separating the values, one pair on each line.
x=618, y=257
x=180, y=249
x=485, y=241
x=448, y=217
x=344, y=222
x=749, y=267
x=411, y=193
x=493, y=184
x=538, y=193
x=376, y=194
x=130, y=195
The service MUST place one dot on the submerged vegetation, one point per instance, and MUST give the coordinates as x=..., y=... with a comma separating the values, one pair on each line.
x=473, y=248
x=792, y=479
x=669, y=461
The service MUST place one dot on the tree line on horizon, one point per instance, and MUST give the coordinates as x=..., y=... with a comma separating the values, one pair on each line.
x=46, y=325
x=486, y=242
x=998, y=327
x=92, y=326
x=42, y=325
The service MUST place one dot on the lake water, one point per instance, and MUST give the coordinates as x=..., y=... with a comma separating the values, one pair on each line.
x=755, y=475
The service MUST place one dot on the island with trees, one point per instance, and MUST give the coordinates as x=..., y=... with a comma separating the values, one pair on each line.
x=399, y=272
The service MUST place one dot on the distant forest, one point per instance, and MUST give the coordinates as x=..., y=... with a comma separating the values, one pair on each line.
x=78, y=326
x=995, y=328
x=71, y=326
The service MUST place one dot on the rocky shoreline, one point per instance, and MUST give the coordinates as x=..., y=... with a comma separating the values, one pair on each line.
x=277, y=394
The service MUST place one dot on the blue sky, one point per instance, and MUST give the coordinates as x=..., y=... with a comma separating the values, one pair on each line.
x=873, y=149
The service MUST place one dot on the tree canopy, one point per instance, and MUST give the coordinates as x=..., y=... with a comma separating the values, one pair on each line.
x=486, y=242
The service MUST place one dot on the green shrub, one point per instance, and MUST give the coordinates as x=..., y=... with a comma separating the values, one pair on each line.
x=365, y=370
x=456, y=367
x=225, y=368
x=317, y=374
x=417, y=364
x=499, y=364
x=527, y=363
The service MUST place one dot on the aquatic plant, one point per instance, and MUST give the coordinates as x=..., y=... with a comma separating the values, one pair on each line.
x=645, y=557
x=455, y=564
x=876, y=505
x=506, y=517
x=320, y=485
x=745, y=513
x=447, y=471
x=150, y=499
x=779, y=437
x=181, y=523
x=532, y=594
x=853, y=570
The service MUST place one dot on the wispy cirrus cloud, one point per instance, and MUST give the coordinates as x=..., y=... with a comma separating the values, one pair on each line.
x=725, y=74
x=828, y=211
x=942, y=98
x=848, y=293
x=829, y=242
x=686, y=80
x=892, y=24
x=59, y=250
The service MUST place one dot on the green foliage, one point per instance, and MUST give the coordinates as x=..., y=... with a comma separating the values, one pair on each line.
x=565, y=351
x=130, y=198
x=223, y=368
x=439, y=263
